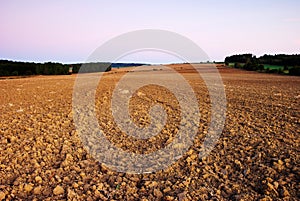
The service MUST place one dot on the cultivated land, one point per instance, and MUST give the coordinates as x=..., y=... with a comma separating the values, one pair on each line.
x=256, y=157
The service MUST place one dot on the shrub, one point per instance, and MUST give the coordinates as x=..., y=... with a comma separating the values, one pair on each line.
x=237, y=65
x=15, y=73
x=261, y=67
x=274, y=71
x=295, y=71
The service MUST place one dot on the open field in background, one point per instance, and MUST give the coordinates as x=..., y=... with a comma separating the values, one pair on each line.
x=257, y=155
x=231, y=64
x=273, y=67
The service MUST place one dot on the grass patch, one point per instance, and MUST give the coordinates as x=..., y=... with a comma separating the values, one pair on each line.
x=232, y=64
x=272, y=67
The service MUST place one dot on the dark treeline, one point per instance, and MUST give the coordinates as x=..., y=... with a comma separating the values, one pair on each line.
x=290, y=63
x=122, y=65
x=278, y=59
x=15, y=68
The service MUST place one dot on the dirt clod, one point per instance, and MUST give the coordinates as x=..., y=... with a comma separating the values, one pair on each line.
x=255, y=157
x=2, y=195
x=58, y=190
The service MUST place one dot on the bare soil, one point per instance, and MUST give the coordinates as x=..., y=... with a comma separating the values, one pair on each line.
x=256, y=158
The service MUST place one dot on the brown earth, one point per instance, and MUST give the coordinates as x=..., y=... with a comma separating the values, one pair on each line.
x=256, y=157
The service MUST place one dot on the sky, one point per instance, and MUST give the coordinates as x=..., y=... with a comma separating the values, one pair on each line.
x=69, y=31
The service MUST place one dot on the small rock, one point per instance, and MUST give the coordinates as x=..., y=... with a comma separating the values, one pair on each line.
x=151, y=184
x=97, y=193
x=280, y=162
x=169, y=198
x=47, y=191
x=20, y=110
x=181, y=196
x=168, y=189
x=58, y=190
x=71, y=194
x=28, y=187
x=13, y=138
x=75, y=185
x=271, y=188
x=27, y=148
x=2, y=195
x=140, y=94
x=37, y=190
x=82, y=174
x=157, y=193
x=279, y=165
x=276, y=184
x=285, y=192
x=100, y=186
x=38, y=179
x=66, y=180
x=29, y=129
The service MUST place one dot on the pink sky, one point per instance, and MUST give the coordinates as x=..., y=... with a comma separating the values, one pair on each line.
x=69, y=31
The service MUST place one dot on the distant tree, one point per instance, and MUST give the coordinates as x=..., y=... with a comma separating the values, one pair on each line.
x=280, y=71
x=251, y=66
x=237, y=65
x=15, y=73
x=260, y=67
x=240, y=58
x=295, y=71
x=278, y=59
x=28, y=72
x=274, y=71
x=8, y=68
x=108, y=69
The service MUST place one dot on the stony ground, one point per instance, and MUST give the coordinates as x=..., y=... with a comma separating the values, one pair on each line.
x=256, y=158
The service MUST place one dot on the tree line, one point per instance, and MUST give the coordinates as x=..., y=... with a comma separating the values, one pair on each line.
x=15, y=68
x=290, y=63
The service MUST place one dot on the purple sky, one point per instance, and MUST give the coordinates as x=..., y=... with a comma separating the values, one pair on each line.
x=69, y=31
